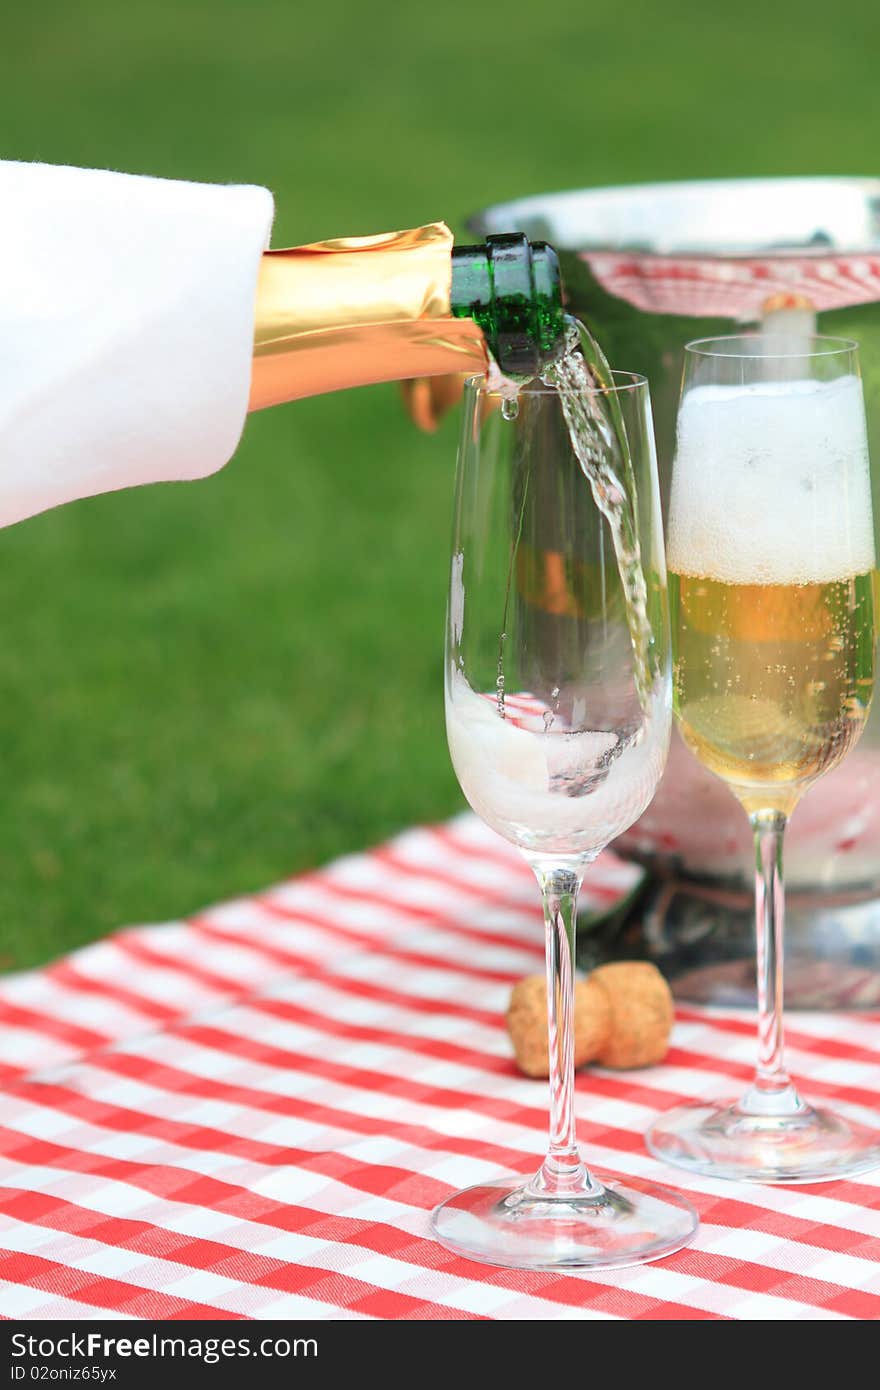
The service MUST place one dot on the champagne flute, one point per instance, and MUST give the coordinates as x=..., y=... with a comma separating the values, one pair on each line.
x=773, y=588
x=558, y=711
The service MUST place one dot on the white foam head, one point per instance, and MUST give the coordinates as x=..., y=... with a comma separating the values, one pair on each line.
x=771, y=483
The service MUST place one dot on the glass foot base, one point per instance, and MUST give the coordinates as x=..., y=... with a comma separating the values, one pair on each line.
x=614, y=1222
x=732, y=1141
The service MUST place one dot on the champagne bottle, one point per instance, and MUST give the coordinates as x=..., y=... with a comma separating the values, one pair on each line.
x=399, y=306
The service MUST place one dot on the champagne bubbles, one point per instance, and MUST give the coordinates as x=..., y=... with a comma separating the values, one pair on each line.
x=771, y=483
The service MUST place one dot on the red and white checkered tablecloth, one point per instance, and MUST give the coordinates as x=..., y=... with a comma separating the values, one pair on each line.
x=250, y=1114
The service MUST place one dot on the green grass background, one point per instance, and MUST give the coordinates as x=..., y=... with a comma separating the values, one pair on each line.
x=205, y=687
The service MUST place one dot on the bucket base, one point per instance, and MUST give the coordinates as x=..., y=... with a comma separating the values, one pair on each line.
x=702, y=937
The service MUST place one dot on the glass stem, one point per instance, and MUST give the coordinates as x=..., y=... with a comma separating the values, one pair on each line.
x=771, y=1091
x=562, y=1172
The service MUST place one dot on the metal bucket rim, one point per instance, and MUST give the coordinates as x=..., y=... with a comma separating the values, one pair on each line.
x=511, y=214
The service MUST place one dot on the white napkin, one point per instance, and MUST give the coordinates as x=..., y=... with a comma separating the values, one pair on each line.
x=126, y=329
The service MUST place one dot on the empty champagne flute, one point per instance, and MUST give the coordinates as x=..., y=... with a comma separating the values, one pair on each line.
x=773, y=589
x=558, y=710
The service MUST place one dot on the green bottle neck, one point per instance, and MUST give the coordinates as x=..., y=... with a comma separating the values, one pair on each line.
x=511, y=288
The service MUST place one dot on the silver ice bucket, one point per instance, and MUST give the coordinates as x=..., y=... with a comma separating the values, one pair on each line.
x=650, y=267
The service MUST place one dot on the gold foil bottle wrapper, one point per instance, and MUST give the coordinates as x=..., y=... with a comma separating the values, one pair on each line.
x=359, y=310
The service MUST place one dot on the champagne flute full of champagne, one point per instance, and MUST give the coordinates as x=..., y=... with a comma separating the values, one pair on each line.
x=773, y=570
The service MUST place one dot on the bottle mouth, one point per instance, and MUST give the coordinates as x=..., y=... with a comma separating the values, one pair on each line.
x=511, y=288
x=531, y=327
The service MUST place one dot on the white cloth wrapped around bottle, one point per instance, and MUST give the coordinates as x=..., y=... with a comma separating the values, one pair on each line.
x=126, y=329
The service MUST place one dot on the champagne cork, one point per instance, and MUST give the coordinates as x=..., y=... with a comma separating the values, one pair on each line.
x=641, y=1009
x=527, y=1023
x=622, y=1018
